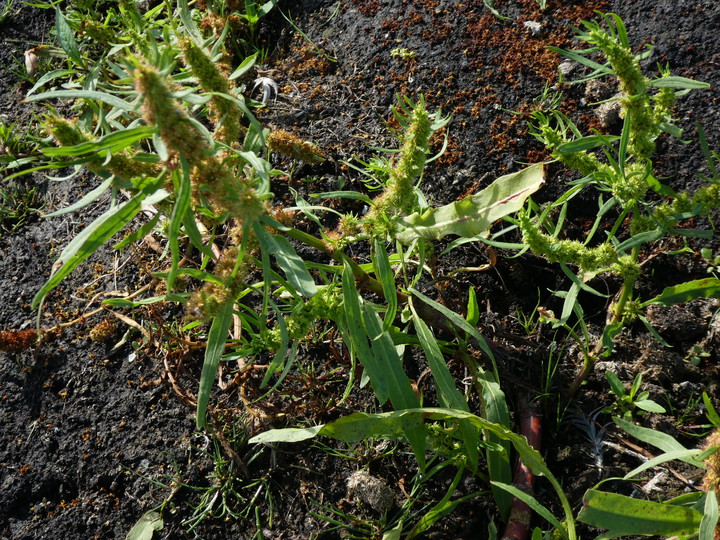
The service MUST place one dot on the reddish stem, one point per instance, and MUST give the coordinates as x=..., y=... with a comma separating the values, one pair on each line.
x=518, y=526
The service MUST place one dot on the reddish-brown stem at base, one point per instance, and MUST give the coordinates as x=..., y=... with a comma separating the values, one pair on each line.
x=518, y=525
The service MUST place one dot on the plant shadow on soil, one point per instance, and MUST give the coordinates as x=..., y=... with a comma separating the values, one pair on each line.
x=92, y=436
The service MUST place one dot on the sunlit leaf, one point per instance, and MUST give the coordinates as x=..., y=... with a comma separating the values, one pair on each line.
x=473, y=215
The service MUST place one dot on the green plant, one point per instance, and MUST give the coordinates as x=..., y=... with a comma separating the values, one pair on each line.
x=17, y=205
x=624, y=177
x=164, y=126
x=629, y=401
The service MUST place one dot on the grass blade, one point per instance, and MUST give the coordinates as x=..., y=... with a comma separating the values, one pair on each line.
x=216, y=339
x=95, y=235
x=108, y=99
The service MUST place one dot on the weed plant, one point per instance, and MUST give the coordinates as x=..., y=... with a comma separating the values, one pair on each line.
x=160, y=116
x=620, y=169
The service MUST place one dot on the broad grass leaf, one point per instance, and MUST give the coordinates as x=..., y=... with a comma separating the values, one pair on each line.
x=684, y=292
x=586, y=143
x=625, y=516
x=662, y=458
x=113, y=143
x=244, y=67
x=384, y=272
x=359, y=426
x=476, y=213
x=141, y=233
x=448, y=394
x=183, y=190
x=710, y=517
x=388, y=364
x=85, y=200
x=290, y=262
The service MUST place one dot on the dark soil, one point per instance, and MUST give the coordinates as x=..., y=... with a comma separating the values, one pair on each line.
x=94, y=435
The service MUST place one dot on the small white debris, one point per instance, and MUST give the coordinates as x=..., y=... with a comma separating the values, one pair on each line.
x=567, y=67
x=370, y=491
x=535, y=28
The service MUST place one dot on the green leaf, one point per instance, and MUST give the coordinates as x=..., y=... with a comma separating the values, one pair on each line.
x=183, y=189
x=473, y=308
x=572, y=55
x=384, y=272
x=359, y=426
x=624, y=516
x=710, y=517
x=244, y=67
x=649, y=406
x=448, y=394
x=586, y=143
x=663, y=458
x=532, y=502
x=677, y=82
x=476, y=213
x=95, y=235
x=386, y=363
x=710, y=411
x=103, y=97
x=216, y=339
x=113, y=143
x=290, y=262
x=66, y=38
x=141, y=233
x=85, y=200
x=617, y=387
x=288, y=435
x=146, y=526
x=684, y=292
x=660, y=440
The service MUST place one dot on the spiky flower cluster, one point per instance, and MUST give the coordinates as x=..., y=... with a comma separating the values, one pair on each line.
x=161, y=110
x=398, y=197
x=292, y=146
x=712, y=473
x=588, y=259
x=224, y=113
x=121, y=164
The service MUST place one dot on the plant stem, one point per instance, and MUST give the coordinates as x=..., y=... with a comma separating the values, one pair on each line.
x=617, y=316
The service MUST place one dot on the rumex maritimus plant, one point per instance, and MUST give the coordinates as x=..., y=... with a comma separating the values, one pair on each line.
x=625, y=176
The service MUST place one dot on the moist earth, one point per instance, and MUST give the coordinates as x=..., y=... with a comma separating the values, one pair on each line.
x=96, y=430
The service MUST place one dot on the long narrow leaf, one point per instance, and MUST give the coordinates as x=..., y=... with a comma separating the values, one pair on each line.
x=660, y=440
x=216, y=339
x=684, y=292
x=103, y=97
x=383, y=270
x=359, y=426
x=67, y=38
x=448, y=394
x=531, y=501
x=86, y=199
x=183, y=188
x=94, y=236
